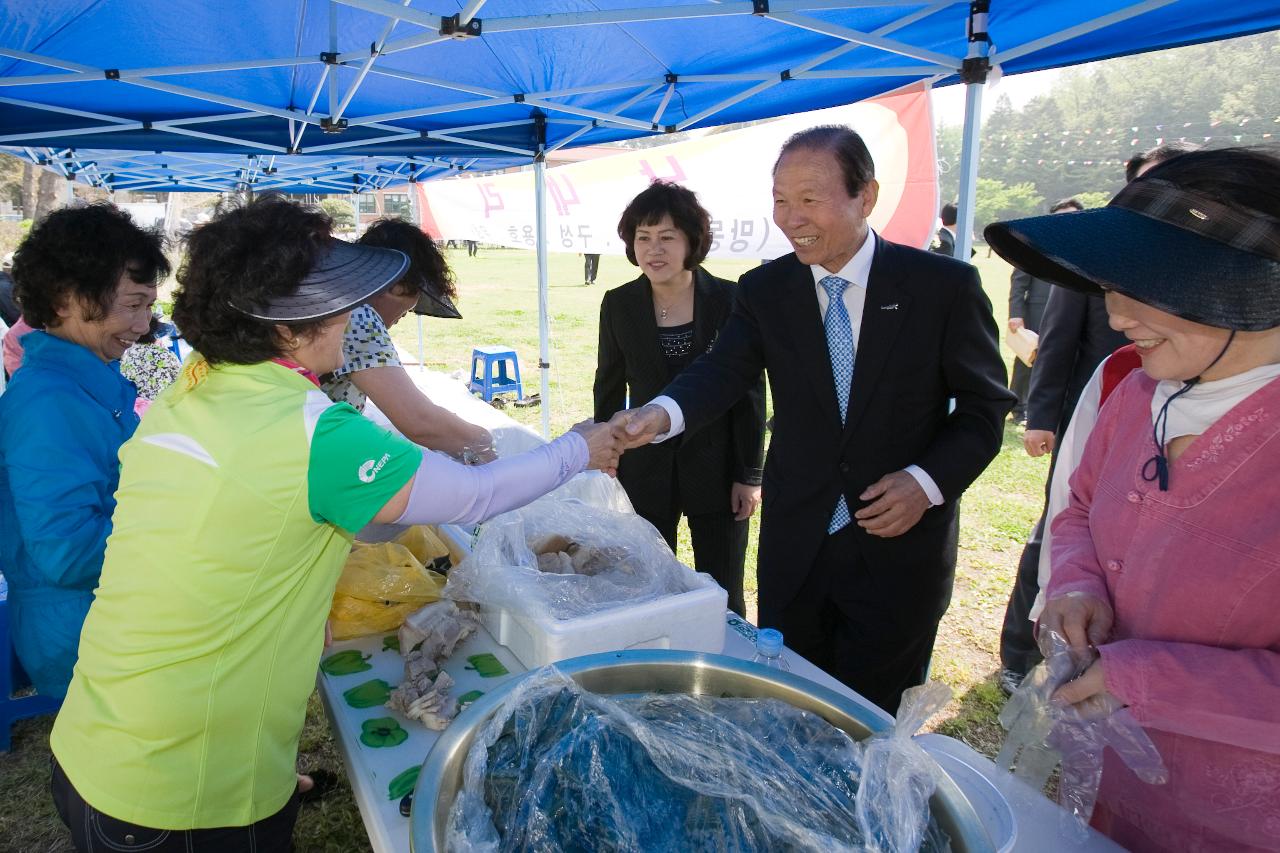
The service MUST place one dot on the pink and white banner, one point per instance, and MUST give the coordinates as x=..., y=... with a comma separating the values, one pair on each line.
x=729, y=171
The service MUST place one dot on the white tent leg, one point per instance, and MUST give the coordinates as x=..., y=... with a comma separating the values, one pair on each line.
x=974, y=73
x=544, y=324
x=968, y=168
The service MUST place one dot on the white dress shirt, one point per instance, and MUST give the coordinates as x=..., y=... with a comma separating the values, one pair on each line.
x=857, y=272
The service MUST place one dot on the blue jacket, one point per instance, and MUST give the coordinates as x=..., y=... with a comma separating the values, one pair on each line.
x=62, y=421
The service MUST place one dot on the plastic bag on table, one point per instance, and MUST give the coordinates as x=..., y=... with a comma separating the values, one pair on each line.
x=560, y=768
x=899, y=777
x=1044, y=733
x=609, y=559
x=379, y=586
x=429, y=549
x=597, y=489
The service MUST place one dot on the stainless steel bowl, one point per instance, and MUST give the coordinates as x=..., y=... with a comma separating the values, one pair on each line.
x=667, y=671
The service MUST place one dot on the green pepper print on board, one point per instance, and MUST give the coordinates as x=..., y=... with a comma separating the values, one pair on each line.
x=345, y=663
x=368, y=695
x=382, y=732
x=403, y=784
x=391, y=643
x=486, y=665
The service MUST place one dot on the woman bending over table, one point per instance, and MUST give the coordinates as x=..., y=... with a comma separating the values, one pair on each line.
x=238, y=499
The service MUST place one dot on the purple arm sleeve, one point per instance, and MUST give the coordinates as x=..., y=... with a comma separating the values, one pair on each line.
x=445, y=491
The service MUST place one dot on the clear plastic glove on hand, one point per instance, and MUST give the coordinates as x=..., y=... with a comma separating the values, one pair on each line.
x=1044, y=731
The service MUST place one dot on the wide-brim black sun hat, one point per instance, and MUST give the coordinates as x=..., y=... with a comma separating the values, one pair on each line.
x=436, y=305
x=1174, y=250
x=344, y=275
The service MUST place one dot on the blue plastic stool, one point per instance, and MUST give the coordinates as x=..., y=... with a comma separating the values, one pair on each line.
x=483, y=380
x=13, y=679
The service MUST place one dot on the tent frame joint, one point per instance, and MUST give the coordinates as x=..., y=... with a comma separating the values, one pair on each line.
x=111, y=73
x=452, y=27
x=328, y=125
x=760, y=7
x=975, y=69
x=329, y=57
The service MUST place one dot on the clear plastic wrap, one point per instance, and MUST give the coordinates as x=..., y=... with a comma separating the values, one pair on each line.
x=591, y=559
x=560, y=768
x=899, y=777
x=1044, y=733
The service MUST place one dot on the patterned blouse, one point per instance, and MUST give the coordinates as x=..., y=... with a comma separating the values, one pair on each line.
x=365, y=344
x=150, y=367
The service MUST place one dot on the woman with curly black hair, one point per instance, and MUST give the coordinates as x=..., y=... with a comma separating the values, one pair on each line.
x=86, y=279
x=651, y=329
x=239, y=497
x=371, y=366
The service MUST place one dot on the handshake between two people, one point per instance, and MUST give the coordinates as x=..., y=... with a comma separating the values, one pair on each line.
x=629, y=428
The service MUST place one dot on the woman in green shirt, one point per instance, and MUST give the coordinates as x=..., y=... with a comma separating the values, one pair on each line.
x=239, y=497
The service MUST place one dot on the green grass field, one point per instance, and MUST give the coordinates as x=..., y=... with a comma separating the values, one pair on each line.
x=499, y=301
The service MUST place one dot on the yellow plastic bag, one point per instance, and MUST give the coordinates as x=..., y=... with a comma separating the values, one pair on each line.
x=380, y=585
x=425, y=543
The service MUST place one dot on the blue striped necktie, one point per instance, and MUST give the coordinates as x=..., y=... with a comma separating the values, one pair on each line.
x=840, y=348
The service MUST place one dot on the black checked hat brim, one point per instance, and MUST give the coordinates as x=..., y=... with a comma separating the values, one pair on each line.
x=431, y=305
x=345, y=276
x=1159, y=264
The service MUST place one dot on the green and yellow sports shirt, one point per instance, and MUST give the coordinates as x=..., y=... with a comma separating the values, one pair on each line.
x=238, y=499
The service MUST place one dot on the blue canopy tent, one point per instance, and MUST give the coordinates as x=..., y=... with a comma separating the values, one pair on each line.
x=420, y=88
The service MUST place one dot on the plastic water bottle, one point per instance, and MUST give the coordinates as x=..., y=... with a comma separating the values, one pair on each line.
x=769, y=650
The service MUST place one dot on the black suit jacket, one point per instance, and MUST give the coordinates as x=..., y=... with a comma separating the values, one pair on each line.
x=1028, y=296
x=705, y=465
x=927, y=336
x=1075, y=336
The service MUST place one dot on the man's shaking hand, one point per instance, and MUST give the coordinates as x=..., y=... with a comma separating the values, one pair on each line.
x=638, y=427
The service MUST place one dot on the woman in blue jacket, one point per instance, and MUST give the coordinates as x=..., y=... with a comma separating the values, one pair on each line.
x=86, y=279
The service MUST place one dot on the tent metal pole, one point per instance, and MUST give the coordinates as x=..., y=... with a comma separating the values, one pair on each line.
x=415, y=216
x=974, y=72
x=544, y=325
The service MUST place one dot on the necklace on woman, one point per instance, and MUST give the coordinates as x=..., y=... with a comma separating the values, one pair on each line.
x=664, y=310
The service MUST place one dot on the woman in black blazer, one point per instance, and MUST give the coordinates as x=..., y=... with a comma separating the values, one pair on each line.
x=650, y=330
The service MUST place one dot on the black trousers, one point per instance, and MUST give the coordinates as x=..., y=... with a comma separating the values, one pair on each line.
x=590, y=266
x=1020, y=384
x=93, y=831
x=1018, y=649
x=719, y=544
x=840, y=622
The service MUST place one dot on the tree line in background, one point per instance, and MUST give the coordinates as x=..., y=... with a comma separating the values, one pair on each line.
x=1074, y=140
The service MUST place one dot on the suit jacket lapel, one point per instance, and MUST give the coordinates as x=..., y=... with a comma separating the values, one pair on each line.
x=883, y=313
x=799, y=306
x=704, y=315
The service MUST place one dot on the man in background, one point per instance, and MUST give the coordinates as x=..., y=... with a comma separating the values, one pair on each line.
x=1027, y=298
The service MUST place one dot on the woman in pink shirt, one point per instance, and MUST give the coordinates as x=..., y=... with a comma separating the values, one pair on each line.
x=1167, y=561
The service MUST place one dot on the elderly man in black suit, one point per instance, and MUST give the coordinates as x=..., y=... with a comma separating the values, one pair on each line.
x=867, y=343
x=1028, y=296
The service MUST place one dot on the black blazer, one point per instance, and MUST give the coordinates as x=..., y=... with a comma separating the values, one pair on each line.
x=729, y=450
x=927, y=336
x=1028, y=296
x=1075, y=336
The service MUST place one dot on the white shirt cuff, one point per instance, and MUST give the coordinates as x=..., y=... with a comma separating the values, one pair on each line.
x=673, y=412
x=926, y=482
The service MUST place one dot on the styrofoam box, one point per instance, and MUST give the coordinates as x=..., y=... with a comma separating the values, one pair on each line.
x=692, y=620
